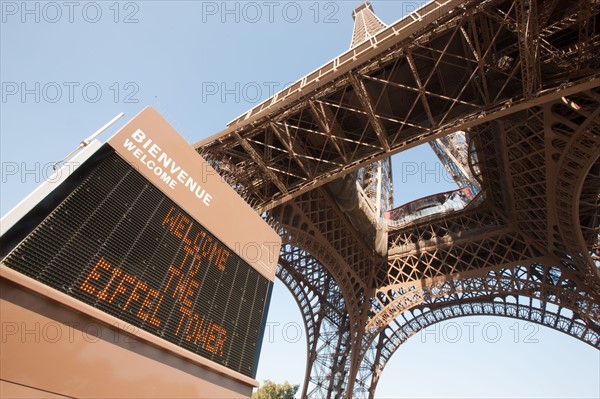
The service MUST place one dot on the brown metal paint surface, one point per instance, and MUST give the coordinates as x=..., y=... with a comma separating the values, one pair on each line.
x=11, y=390
x=227, y=216
x=49, y=349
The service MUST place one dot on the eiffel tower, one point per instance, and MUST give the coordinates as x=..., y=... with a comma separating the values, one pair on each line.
x=506, y=92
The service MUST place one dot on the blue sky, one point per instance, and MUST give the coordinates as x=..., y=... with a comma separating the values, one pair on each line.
x=68, y=69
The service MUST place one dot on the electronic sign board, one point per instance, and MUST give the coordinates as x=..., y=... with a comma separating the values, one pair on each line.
x=147, y=232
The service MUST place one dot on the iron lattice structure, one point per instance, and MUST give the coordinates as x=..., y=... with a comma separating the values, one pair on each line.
x=507, y=93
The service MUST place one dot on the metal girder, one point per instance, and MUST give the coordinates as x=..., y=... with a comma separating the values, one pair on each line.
x=365, y=100
x=317, y=295
x=259, y=161
x=292, y=147
x=327, y=123
x=528, y=39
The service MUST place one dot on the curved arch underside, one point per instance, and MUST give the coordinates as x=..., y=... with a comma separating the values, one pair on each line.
x=411, y=323
x=511, y=293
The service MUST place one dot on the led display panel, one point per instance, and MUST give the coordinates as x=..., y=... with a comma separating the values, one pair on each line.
x=114, y=239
